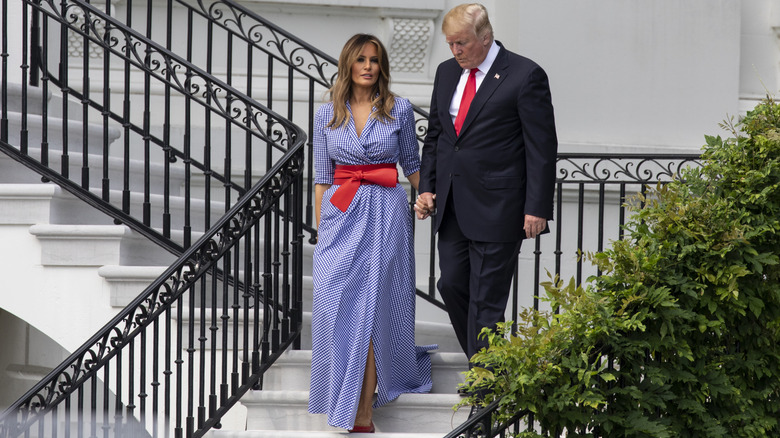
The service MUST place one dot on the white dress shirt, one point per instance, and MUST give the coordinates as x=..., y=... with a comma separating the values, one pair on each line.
x=479, y=76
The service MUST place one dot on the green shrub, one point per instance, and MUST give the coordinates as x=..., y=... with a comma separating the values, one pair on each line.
x=680, y=335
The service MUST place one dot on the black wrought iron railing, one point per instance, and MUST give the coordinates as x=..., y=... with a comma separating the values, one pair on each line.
x=484, y=424
x=175, y=360
x=592, y=202
x=178, y=357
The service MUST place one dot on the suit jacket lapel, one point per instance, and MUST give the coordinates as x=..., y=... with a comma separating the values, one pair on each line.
x=449, y=82
x=495, y=76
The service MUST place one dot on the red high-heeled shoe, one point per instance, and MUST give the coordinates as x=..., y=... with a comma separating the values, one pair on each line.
x=363, y=429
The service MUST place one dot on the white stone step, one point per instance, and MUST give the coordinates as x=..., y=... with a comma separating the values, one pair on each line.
x=292, y=371
x=14, y=172
x=26, y=204
x=426, y=332
x=312, y=434
x=95, y=245
x=136, y=167
x=34, y=98
x=127, y=282
x=287, y=410
x=75, y=133
x=31, y=202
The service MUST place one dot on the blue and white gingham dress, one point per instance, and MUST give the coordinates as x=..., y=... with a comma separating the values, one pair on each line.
x=364, y=271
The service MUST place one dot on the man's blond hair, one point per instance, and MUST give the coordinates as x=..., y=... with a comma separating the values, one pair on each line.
x=472, y=15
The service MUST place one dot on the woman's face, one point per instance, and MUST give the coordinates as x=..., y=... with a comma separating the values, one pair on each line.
x=365, y=69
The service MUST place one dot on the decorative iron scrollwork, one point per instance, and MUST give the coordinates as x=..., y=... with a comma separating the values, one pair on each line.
x=161, y=296
x=623, y=168
x=273, y=41
x=421, y=126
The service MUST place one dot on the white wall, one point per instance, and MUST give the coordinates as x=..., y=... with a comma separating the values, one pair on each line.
x=759, y=72
x=26, y=356
x=631, y=73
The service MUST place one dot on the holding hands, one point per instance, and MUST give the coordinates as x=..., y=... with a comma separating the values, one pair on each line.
x=425, y=205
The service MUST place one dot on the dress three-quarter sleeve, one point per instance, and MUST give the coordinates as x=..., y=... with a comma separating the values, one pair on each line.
x=323, y=164
x=409, y=148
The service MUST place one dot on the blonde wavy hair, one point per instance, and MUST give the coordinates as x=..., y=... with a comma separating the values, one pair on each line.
x=341, y=91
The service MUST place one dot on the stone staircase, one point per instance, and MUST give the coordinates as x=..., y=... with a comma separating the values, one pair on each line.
x=80, y=269
x=96, y=264
x=282, y=404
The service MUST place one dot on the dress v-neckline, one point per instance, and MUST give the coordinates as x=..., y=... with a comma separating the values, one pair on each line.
x=354, y=126
x=366, y=124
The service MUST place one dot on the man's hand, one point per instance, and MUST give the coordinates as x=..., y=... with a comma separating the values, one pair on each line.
x=534, y=226
x=425, y=205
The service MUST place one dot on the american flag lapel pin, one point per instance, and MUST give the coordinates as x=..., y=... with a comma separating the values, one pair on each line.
x=497, y=76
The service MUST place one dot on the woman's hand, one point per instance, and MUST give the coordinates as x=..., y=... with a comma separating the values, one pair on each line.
x=425, y=205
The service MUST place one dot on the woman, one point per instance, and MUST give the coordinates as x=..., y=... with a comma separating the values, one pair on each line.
x=364, y=302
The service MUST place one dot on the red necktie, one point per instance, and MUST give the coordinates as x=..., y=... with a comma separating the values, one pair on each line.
x=465, y=101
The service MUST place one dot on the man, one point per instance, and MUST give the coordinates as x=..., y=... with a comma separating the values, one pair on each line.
x=488, y=169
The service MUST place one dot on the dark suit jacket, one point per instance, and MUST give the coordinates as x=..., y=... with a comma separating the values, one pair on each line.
x=502, y=166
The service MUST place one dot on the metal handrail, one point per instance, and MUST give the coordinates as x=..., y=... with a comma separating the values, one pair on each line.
x=159, y=298
x=483, y=424
x=245, y=23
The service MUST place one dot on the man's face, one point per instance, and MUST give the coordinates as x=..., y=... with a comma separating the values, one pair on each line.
x=467, y=48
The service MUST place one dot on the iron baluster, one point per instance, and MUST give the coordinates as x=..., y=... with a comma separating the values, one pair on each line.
x=537, y=275
x=106, y=180
x=23, y=132
x=580, y=225
x=558, y=235
x=601, y=220
x=65, y=89
x=147, y=160
x=285, y=252
x=126, y=124
x=44, y=155
x=85, y=98
x=142, y=395
x=309, y=219
x=4, y=79
x=275, y=290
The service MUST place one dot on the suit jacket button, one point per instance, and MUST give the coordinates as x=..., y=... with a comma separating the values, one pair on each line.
x=457, y=148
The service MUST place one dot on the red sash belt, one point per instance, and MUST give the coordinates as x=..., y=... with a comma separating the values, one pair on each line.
x=352, y=177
